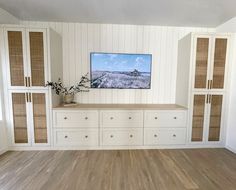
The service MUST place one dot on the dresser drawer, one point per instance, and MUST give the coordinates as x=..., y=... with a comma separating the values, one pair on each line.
x=77, y=137
x=164, y=136
x=122, y=119
x=122, y=137
x=165, y=119
x=81, y=119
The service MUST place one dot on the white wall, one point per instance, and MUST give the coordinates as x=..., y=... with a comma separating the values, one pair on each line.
x=81, y=39
x=7, y=18
x=230, y=26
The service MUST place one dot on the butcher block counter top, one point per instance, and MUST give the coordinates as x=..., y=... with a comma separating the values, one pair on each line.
x=121, y=106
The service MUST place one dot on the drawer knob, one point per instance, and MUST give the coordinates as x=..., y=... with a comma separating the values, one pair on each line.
x=86, y=136
x=174, y=135
x=155, y=135
x=155, y=117
x=130, y=117
x=131, y=136
x=66, y=136
x=86, y=118
x=111, y=118
x=175, y=117
x=111, y=136
x=65, y=118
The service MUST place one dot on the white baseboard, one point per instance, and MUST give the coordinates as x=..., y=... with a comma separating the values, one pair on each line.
x=231, y=149
x=2, y=151
x=191, y=146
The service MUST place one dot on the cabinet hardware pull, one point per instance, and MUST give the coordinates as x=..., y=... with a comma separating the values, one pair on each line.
x=27, y=99
x=86, y=136
x=174, y=135
x=130, y=117
x=86, y=118
x=65, y=118
x=175, y=117
x=155, y=135
x=111, y=117
x=131, y=136
x=155, y=117
x=30, y=97
x=66, y=136
x=210, y=98
x=111, y=136
x=29, y=81
x=26, y=82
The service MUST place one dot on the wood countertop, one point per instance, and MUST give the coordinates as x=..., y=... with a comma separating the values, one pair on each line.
x=122, y=106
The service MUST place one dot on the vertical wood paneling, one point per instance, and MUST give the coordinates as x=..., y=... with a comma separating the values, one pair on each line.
x=79, y=39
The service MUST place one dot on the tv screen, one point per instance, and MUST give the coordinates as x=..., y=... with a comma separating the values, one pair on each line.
x=120, y=70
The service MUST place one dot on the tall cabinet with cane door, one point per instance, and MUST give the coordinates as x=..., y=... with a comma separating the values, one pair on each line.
x=204, y=85
x=29, y=57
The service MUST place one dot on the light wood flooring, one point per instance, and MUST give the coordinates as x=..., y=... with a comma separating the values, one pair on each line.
x=205, y=169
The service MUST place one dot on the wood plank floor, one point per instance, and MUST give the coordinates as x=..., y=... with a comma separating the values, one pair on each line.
x=205, y=169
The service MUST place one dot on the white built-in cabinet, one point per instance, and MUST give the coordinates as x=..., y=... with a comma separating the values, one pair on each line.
x=29, y=56
x=202, y=79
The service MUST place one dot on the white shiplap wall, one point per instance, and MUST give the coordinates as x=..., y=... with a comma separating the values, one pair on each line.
x=79, y=39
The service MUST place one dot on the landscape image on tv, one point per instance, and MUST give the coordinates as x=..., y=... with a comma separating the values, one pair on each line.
x=122, y=71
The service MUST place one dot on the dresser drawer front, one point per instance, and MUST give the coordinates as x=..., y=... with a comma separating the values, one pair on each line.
x=81, y=119
x=122, y=137
x=165, y=119
x=122, y=119
x=77, y=137
x=165, y=136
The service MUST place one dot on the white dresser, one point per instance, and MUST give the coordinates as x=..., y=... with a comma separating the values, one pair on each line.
x=110, y=126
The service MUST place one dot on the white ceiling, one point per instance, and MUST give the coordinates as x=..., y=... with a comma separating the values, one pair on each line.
x=204, y=13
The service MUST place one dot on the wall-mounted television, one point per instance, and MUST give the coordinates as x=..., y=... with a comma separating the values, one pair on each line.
x=120, y=70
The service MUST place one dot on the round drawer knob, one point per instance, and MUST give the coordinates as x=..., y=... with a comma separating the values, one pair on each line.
x=130, y=117
x=66, y=136
x=111, y=136
x=65, y=118
x=174, y=135
x=111, y=118
x=86, y=118
x=131, y=136
x=155, y=135
x=175, y=117
x=86, y=136
x=155, y=117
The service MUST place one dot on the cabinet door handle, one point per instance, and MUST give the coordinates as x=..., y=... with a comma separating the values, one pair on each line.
x=174, y=135
x=131, y=136
x=86, y=118
x=86, y=136
x=66, y=136
x=111, y=118
x=30, y=99
x=27, y=98
x=156, y=118
x=26, y=82
x=29, y=82
x=65, y=118
x=175, y=117
x=155, y=135
x=111, y=136
x=130, y=117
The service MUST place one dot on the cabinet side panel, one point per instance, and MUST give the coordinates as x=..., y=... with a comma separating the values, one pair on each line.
x=183, y=71
x=56, y=67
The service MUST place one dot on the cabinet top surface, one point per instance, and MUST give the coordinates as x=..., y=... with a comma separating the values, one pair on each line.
x=121, y=106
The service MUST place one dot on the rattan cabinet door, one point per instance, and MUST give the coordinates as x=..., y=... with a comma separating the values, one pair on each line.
x=19, y=115
x=201, y=63
x=37, y=58
x=16, y=59
x=215, y=117
x=219, y=63
x=39, y=117
x=198, y=117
